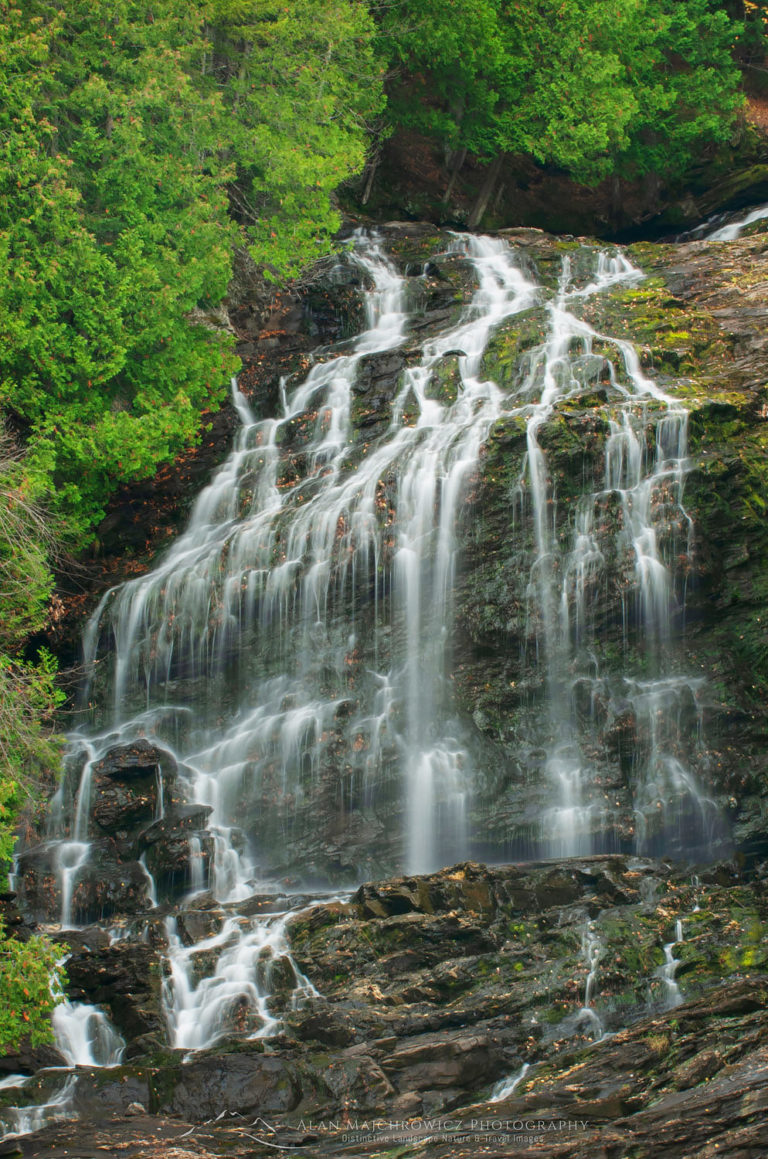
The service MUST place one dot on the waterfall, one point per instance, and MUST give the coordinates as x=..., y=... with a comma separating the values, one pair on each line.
x=564, y=578
x=264, y=588
x=17, y=1121
x=299, y=632
x=284, y=674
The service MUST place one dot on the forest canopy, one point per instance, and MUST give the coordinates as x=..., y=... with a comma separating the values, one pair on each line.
x=143, y=142
x=593, y=86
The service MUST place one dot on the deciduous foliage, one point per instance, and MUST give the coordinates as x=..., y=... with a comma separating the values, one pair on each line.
x=26, y=972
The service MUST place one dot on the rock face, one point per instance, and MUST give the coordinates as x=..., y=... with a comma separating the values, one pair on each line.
x=434, y=989
x=128, y=787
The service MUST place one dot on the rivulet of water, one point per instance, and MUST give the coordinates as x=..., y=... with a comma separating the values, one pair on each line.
x=653, y=532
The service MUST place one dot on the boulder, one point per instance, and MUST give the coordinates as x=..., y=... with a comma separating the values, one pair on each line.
x=177, y=849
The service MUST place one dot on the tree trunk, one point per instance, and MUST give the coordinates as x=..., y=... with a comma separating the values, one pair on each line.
x=373, y=164
x=458, y=160
x=486, y=192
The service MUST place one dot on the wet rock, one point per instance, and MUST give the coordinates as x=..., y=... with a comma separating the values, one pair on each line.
x=127, y=786
x=123, y=807
x=250, y=1084
x=177, y=849
x=28, y=1059
x=380, y=373
x=324, y=1025
x=125, y=979
x=104, y=886
x=136, y=760
x=455, y=1060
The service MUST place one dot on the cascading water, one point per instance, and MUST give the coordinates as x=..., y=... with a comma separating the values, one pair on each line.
x=593, y=951
x=672, y=995
x=646, y=492
x=293, y=648
x=237, y=995
x=506, y=1087
x=85, y=1037
x=282, y=566
x=16, y=1121
x=735, y=228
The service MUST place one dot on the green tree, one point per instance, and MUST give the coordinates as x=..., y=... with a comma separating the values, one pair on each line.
x=127, y=131
x=113, y=226
x=301, y=85
x=29, y=755
x=593, y=86
x=28, y=973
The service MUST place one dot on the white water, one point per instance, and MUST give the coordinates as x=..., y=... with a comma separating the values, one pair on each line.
x=505, y=1087
x=24, y=1120
x=85, y=1036
x=271, y=571
x=592, y=948
x=672, y=995
x=282, y=582
x=566, y=580
x=237, y=996
x=13, y=1080
x=734, y=230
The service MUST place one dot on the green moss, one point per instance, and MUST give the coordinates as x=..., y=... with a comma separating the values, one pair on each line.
x=519, y=334
x=444, y=384
x=674, y=338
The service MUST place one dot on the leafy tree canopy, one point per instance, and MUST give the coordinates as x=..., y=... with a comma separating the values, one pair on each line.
x=593, y=86
x=124, y=128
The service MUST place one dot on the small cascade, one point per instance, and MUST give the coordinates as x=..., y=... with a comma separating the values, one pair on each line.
x=672, y=995
x=85, y=1036
x=12, y=1081
x=71, y=856
x=253, y=974
x=196, y=867
x=15, y=1121
x=151, y=886
x=734, y=230
x=506, y=1087
x=587, y=1017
